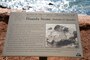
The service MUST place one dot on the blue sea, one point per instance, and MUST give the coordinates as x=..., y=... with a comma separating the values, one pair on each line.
x=77, y=6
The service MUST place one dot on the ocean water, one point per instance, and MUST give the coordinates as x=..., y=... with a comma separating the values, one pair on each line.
x=69, y=6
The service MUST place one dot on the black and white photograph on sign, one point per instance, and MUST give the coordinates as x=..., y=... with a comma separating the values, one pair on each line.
x=61, y=36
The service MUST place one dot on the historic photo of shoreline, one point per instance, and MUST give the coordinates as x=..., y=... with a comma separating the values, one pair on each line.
x=61, y=35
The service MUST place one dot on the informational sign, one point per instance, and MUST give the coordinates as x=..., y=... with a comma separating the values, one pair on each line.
x=43, y=34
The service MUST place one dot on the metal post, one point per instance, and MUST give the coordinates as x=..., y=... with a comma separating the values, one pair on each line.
x=42, y=58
